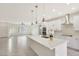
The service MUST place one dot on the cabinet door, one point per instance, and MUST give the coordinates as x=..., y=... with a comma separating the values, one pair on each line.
x=70, y=42
x=73, y=43
x=35, y=30
x=76, y=43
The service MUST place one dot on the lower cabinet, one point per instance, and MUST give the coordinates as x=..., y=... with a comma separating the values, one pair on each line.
x=74, y=43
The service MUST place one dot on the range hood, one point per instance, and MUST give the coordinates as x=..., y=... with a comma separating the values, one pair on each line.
x=67, y=27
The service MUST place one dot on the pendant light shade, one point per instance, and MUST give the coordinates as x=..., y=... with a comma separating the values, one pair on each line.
x=67, y=19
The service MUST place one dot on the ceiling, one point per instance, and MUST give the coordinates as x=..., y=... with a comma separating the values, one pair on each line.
x=17, y=12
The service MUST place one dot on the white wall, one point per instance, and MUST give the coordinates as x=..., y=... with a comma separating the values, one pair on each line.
x=76, y=22
x=57, y=24
x=3, y=29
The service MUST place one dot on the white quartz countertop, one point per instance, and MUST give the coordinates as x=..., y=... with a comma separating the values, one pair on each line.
x=47, y=42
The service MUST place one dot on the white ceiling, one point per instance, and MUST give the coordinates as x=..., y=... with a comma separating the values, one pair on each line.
x=22, y=11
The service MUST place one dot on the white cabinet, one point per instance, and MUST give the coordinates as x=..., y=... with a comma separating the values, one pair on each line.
x=74, y=43
x=35, y=29
x=45, y=47
x=13, y=29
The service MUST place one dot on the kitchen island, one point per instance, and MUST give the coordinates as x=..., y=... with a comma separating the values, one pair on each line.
x=46, y=47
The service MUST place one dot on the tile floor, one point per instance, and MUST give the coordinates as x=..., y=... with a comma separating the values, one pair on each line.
x=17, y=47
x=14, y=47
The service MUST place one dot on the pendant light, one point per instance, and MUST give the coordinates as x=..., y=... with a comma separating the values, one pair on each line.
x=67, y=19
x=36, y=6
x=32, y=11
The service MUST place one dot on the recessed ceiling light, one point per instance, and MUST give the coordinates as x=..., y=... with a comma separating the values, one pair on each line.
x=67, y=3
x=54, y=10
x=73, y=8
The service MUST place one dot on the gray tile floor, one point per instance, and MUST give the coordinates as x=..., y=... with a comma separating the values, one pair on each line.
x=17, y=47
x=14, y=47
